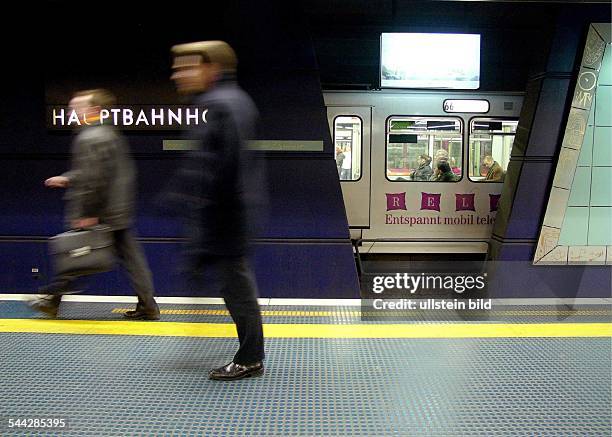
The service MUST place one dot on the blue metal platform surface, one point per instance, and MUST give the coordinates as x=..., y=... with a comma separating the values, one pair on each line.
x=115, y=385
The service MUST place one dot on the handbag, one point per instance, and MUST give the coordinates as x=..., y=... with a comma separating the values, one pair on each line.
x=83, y=252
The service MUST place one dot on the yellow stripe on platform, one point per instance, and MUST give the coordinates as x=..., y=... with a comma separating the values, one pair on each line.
x=408, y=313
x=220, y=312
x=222, y=330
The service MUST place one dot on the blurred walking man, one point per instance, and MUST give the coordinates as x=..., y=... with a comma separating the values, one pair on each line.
x=223, y=187
x=100, y=189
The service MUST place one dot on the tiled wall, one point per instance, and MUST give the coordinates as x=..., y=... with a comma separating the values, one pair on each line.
x=588, y=217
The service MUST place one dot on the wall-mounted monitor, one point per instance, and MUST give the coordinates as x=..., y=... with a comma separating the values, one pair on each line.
x=430, y=60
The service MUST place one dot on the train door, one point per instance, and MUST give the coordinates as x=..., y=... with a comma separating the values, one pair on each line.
x=350, y=129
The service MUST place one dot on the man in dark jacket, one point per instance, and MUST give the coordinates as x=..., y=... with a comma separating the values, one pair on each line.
x=223, y=189
x=100, y=189
x=444, y=173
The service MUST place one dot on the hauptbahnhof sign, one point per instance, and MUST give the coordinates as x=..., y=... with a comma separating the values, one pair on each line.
x=143, y=117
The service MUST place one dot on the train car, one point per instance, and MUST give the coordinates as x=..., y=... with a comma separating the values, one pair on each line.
x=422, y=171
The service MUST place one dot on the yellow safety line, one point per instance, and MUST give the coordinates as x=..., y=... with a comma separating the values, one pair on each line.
x=182, y=329
x=283, y=313
x=179, y=311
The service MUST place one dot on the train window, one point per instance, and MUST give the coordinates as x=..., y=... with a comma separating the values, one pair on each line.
x=347, y=142
x=490, y=147
x=424, y=149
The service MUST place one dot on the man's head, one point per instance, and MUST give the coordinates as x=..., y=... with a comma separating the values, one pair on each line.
x=198, y=65
x=88, y=103
x=443, y=167
x=488, y=161
x=424, y=159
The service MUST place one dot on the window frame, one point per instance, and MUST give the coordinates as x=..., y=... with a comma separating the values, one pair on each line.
x=469, y=138
x=461, y=133
x=360, y=145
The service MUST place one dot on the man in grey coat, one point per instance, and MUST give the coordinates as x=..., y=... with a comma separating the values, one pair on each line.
x=424, y=172
x=100, y=189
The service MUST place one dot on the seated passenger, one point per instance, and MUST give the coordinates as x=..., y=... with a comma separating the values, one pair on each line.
x=440, y=156
x=443, y=173
x=424, y=172
x=495, y=173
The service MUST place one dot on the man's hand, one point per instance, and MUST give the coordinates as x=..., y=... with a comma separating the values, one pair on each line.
x=87, y=222
x=57, y=182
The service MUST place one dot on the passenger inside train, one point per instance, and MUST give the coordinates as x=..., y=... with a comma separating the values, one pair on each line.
x=494, y=171
x=347, y=164
x=423, y=172
x=443, y=172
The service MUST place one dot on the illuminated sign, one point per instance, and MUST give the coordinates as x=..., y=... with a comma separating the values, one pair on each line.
x=465, y=105
x=430, y=60
x=142, y=117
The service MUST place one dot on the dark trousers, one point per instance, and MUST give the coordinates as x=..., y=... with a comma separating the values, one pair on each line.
x=239, y=290
x=132, y=259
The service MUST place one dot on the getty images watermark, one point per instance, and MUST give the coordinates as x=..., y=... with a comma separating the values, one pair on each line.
x=418, y=296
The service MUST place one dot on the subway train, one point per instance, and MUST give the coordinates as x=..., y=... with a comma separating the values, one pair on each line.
x=388, y=147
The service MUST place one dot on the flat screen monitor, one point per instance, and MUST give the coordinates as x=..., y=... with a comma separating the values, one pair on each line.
x=430, y=60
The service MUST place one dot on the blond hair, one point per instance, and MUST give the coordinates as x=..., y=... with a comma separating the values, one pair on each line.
x=218, y=52
x=98, y=97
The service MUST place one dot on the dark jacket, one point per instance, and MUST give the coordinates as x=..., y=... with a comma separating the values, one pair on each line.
x=101, y=178
x=423, y=173
x=448, y=176
x=339, y=161
x=222, y=184
x=495, y=173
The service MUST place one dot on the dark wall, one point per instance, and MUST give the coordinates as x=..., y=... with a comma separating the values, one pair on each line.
x=124, y=47
x=346, y=35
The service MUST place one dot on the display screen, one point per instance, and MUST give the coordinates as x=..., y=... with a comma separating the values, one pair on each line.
x=430, y=60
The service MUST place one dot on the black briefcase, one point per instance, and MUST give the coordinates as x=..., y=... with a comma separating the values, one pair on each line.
x=83, y=251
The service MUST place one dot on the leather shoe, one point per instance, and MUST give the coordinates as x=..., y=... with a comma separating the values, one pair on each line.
x=233, y=371
x=47, y=304
x=142, y=314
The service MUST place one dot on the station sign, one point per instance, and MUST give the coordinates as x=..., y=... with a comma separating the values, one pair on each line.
x=137, y=117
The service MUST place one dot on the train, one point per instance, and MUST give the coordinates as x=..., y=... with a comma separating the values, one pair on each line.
x=398, y=202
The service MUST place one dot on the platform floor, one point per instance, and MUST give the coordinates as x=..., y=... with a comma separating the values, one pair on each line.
x=527, y=370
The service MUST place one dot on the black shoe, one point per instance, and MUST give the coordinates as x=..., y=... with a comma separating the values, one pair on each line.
x=233, y=371
x=142, y=314
x=47, y=304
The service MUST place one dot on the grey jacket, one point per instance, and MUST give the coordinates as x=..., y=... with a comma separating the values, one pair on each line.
x=101, y=178
x=423, y=173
